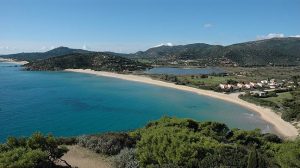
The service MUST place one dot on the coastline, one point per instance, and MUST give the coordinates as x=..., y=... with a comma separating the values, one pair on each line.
x=13, y=61
x=284, y=128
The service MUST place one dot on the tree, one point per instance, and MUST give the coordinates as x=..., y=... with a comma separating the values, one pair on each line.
x=252, y=159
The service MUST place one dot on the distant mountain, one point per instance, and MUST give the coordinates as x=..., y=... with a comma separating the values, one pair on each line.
x=95, y=60
x=190, y=51
x=278, y=51
x=44, y=55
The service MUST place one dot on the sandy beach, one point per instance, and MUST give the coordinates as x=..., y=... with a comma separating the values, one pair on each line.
x=13, y=61
x=284, y=128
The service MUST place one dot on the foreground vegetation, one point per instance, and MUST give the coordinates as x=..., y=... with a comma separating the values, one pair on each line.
x=37, y=151
x=168, y=142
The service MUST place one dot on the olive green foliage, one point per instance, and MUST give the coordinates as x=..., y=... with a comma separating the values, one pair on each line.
x=171, y=142
x=288, y=154
x=108, y=144
x=32, y=152
x=292, y=106
x=126, y=159
x=94, y=61
x=276, y=51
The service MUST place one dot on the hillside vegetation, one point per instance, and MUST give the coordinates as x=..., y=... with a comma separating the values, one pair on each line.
x=44, y=55
x=94, y=61
x=276, y=51
x=172, y=142
x=168, y=143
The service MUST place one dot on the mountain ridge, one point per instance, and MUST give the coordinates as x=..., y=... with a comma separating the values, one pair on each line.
x=275, y=51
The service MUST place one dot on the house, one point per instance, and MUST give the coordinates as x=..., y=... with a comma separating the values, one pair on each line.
x=252, y=84
x=247, y=86
x=258, y=93
x=240, y=85
x=260, y=84
x=264, y=82
x=273, y=85
x=222, y=86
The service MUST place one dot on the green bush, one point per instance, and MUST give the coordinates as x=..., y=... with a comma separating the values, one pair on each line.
x=171, y=142
x=126, y=159
x=108, y=144
x=32, y=152
x=288, y=154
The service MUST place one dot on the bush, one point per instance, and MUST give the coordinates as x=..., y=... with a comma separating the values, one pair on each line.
x=108, y=144
x=126, y=159
x=22, y=158
x=288, y=154
x=31, y=152
x=171, y=142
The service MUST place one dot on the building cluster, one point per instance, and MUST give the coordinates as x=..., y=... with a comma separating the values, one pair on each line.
x=264, y=84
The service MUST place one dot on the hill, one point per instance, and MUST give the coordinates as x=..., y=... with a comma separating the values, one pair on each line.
x=96, y=61
x=44, y=55
x=276, y=51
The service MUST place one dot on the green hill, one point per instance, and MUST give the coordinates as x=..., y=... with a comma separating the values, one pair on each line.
x=276, y=51
x=96, y=61
x=44, y=55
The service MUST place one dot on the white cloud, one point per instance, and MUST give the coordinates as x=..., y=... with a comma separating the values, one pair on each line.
x=207, y=25
x=298, y=36
x=84, y=46
x=270, y=35
x=164, y=44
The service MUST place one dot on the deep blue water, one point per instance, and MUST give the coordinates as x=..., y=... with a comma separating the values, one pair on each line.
x=67, y=104
x=184, y=71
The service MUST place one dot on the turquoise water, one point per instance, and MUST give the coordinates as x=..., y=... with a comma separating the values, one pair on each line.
x=67, y=104
x=184, y=71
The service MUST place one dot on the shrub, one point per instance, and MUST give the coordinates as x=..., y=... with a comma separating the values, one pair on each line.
x=126, y=159
x=108, y=144
x=22, y=158
x=31, y=152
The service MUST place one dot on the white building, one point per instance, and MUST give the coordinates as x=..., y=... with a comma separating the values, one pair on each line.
x=259, y=93
x=264, y=82
x=260, y=84
x=223, y=86
x=247, y=86
x=240, y=85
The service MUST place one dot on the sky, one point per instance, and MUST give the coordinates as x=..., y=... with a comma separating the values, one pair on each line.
x=131, y=25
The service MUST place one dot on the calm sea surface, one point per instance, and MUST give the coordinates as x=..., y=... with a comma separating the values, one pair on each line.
x=67, y=104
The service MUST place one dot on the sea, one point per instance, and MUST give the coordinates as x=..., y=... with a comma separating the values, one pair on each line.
x=72, y=104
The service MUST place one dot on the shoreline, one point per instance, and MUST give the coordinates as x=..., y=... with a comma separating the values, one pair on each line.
x=9, y=60
x=286, y=129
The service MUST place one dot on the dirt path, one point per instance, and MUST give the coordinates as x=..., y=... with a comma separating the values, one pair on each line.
x=84, y=158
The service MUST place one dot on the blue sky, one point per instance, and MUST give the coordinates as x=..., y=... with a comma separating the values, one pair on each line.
x=132, y=25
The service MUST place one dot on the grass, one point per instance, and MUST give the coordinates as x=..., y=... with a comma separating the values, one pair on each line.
x=280, y=98
x=260, y=73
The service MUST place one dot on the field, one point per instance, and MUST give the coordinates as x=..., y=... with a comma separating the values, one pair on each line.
x=280, y=98
x=259, y=73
